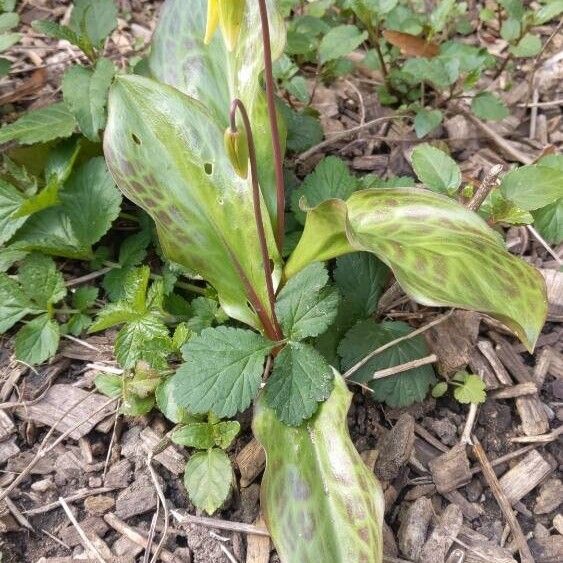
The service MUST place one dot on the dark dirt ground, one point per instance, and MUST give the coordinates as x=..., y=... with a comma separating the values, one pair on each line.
x=427, y=498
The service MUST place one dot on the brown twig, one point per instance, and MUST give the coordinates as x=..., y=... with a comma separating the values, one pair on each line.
x=380, y=374
x=487, y=184
x=503, y=502
x=79, y=495
x=184, y=518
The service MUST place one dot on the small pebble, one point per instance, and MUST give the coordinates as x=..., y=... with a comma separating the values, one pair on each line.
x=42, y=486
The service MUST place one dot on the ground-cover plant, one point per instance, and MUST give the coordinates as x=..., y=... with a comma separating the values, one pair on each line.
x=166, y=150
x=199, y=146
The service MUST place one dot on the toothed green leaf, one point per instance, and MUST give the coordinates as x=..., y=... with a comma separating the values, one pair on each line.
x=436, y=169
x=41, y=281
x=14, y=303
x=208, y=479
x=222, y=371
x=38, y=340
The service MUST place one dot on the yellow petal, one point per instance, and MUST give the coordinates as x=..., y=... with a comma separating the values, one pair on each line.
x=231, y=14
x=236, y=146
x=212, y=20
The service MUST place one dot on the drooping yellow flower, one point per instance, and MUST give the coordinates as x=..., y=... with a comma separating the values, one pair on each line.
x=212, y=20
x=231, y=14
x=236, y=145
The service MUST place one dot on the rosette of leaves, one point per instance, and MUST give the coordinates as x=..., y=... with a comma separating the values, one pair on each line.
x=165, y=150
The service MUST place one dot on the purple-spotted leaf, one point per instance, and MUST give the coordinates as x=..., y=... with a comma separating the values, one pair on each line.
x=214, y=75
x=166, y=154
x=316, y=483
x=441, y=253
x=444, y=255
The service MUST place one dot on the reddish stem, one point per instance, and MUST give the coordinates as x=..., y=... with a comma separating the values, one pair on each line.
x=237, y=104
x=278, y=157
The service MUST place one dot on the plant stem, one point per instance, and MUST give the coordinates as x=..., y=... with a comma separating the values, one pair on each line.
x=375, y=36
x=276, y=145
x=237, y=104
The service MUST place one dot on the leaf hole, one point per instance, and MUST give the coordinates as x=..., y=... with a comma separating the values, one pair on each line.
x=208, y=167
x=136, y=139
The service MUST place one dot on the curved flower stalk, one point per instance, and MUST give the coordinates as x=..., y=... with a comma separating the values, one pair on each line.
x=320, y=501
x=214, y=75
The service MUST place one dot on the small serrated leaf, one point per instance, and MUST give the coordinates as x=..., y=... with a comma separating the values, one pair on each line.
x=472, y=389
x=40, y=280
x=208, y=479
x=14, y=303
x=300, y=379
x=38, y=340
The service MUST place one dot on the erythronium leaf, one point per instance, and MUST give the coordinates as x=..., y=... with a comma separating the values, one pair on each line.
x=533, y=186
x=208, y=479
x=302, y=308
x=315, y=483
x=301, y=378
x=222, y=371
x=436, y=169
x=331, y=179
x=402, y=389
x=38, y=340
x=167, y=155
x=214, y=75
x=40, y=125
x=41, y=281
x=441, y=253
x=549, y=222
x=444, y=255
x=85, y=92
x=14, y=303
x=323, y=238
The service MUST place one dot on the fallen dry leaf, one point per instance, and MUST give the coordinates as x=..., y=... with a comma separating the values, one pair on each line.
x=411, y=45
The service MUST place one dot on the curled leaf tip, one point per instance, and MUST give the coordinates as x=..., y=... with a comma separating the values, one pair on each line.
x=231, y=14
x=212, y=20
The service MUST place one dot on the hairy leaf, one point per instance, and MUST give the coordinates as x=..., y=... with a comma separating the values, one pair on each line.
x=331, y=179
x=167, y=155
x=300, y=379
x=208, y=479
x=40, y=125
x=222, y=371
x=14, y=303
x=41, y=281
x=316, y=482
x=302, y=308
x=37, y=341
x=85, y=93
x=213, y=75
x=402, y=389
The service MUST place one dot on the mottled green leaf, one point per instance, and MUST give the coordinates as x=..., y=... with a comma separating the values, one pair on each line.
x=300, y=379
x=225, y=432
x=436, y=169
x=444, y=255
x=402, y=389
x=166, y=153
x=85, y=93
x=533, y=186
x=331, y=179
x=316, y=483
x=40, y=125
x=208, y=479
x=303, y=307
x=37, y=340
x=222, y=371
x=14, y=303
x=215, y=76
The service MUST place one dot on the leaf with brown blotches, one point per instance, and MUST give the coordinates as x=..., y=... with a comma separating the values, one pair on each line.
x=411, y=45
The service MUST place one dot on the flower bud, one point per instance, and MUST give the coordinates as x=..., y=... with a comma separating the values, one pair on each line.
x=236, y=146
x=212, y=20
x=231, y=14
